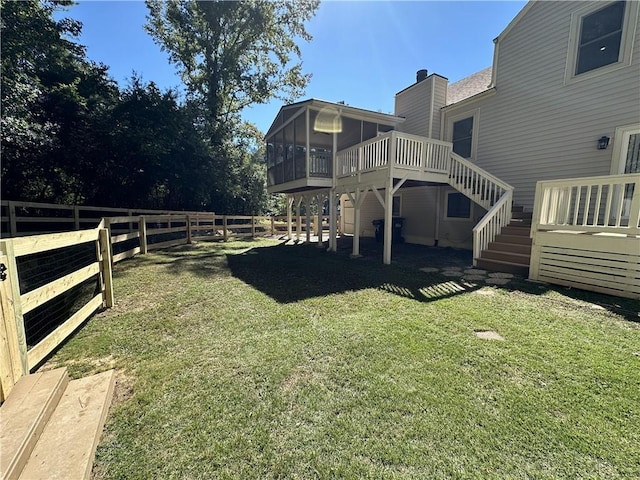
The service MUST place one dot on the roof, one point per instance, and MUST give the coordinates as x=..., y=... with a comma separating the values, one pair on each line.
x=469, y=86
x=344, y=110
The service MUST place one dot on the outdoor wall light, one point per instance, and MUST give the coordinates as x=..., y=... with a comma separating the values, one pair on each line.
x=603, y=142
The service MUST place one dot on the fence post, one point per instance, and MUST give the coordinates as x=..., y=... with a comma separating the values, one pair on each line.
x=273, y=226
x=76, y=217
x=253, y=226
x=130, y=214
x=13, y=225
x=225, y=234
x=189, y=229
x=142, y=229
x=12, y=312
x=105, y=265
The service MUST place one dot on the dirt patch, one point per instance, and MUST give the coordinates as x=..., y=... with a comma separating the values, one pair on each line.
x=488, y=335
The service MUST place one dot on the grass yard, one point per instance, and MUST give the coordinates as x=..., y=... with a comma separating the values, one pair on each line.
x=255, y=360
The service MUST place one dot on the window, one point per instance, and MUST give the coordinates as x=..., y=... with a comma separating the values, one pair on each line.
x=462, y=137
x=458, y=206
x=601, y=38
x=396, y=205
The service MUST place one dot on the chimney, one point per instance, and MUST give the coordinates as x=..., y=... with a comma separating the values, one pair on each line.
x=421, y=75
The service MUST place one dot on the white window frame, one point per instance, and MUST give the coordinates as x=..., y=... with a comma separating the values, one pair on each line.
x=446, y=207
x=629, y=23
x=475, y=114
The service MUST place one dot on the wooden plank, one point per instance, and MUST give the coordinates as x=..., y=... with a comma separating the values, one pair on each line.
x=44, y=220
x=52, y=206
x=10, y=372
x=142, y=229
x=12, y=308
x=602, y=243
x=594, y=277
x=122, y=219
x=592, y=288
x=160, y=231
x=592, y=254
x=124, y=237
x=49, y=343
x=123, y=255
x=575, y=263
x=592, y=262
x=168, y=243
x=77, y=424
x=45, y=293
x=105, y=267
x=52, y=241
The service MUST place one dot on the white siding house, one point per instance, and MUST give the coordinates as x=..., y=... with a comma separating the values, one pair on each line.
x=459, y=162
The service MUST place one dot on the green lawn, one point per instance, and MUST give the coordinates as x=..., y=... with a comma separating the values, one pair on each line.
x=256, y=360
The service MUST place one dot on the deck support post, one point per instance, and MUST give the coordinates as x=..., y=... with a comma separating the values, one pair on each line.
x=388, y=221
x=289, y=207
x=333, y=220
x=307, y=202
x=320, y=202
x=356, y=222
x=298, y=219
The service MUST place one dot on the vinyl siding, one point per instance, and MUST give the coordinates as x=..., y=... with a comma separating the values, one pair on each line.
x=414, y=104
x=537, y=128
x=418, y=208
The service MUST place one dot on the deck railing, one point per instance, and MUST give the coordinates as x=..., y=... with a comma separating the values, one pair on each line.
x=586, y=234
x=603, y=204
x=407, y=151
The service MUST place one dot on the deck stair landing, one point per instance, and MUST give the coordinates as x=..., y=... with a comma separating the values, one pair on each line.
x=511, y=250
x=50, y=426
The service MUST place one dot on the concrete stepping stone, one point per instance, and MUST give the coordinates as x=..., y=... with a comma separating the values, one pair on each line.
x=474, y=278
x=488, y=335
x=496, y=281
x=501, y=275
x=452, y=273
x=429, y=269
x=475, y=271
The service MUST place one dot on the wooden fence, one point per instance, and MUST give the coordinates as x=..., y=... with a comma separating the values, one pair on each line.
x=586, y=234
x=27, y=335
x=51, y=283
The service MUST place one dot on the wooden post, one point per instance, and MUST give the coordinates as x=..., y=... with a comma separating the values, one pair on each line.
x=333, y=221
x=273, y=226
x=12, y=312
x=76, y=217
x=130, y=214
x=225, y=233
x=290, y=201
x=307, y=202
x=298, y=219
x=142, y=228
x=13, y=225
x=105, y=266
x=388, y=222
x=189, y=228
x=253, y=226
x=356, y=225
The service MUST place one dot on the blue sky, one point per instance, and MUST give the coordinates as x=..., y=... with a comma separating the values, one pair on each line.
x=363, y=52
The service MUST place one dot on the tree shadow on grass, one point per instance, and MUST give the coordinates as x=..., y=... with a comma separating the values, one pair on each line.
x=290, y=273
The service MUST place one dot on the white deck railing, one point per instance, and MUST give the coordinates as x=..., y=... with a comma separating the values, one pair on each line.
x=407, y=151
x=486, y=190
x=607, y=204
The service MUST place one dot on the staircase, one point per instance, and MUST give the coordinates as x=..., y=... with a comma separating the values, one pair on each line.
x=511, y=250
x=50, y=426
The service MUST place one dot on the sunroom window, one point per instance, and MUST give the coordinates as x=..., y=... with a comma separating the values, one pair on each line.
x=600, y=38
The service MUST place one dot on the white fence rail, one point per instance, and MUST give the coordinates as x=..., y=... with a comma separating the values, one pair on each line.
x=586, y=234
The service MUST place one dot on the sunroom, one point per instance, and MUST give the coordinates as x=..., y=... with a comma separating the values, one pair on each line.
x=304, y=137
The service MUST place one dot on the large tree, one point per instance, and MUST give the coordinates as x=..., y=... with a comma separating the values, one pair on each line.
x=233, y=54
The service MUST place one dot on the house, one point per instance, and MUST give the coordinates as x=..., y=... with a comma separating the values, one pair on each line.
x=461, y=163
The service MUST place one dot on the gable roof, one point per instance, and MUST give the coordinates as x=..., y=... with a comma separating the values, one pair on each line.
x=469, y=86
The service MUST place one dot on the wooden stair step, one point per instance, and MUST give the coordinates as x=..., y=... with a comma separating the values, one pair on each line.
x=502, y=266
x=521, y=215
x=517, y=258
x=517, y=208
x=510, y=247
x=67, y=446
x=519, y=239
x=513, y=230
x=24, y=416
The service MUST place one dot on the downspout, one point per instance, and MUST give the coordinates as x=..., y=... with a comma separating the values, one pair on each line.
x=431, y=113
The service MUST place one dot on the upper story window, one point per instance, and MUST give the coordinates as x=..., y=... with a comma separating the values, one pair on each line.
x=600, y=38
x=462, y=137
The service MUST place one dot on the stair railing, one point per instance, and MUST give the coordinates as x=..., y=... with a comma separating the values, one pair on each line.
x=486, y=190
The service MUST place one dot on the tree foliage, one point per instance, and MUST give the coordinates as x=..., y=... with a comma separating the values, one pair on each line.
x=70, y=134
